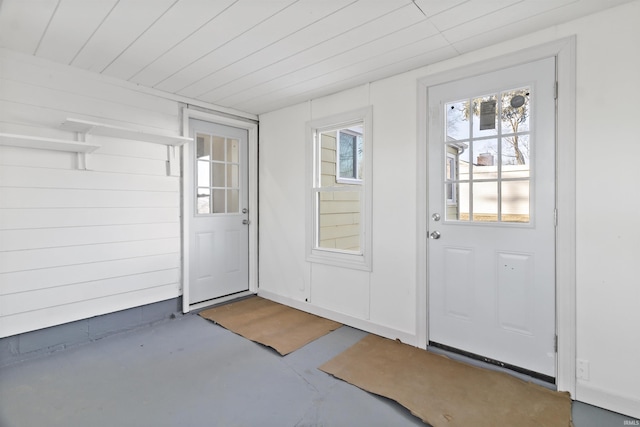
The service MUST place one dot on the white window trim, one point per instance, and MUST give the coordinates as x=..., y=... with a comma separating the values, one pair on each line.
x=336, y=257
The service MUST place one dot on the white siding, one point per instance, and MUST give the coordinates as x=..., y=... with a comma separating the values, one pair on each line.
x=385, y=300
x=79, y=243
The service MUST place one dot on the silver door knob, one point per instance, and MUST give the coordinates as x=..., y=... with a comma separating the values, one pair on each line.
x=246, y=221
x=435, y=217
x=434, y=235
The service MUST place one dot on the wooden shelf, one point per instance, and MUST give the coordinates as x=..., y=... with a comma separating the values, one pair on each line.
x=27, y=141
x=103, y=129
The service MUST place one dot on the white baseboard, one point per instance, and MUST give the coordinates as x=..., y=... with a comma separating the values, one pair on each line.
x=365, y=325
x=608, y=400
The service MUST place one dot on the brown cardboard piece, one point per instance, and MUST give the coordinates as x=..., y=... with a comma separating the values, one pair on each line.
x=444, y=392
x=282, y=328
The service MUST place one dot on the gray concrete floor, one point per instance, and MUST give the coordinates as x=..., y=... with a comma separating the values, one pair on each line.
x=190, y=372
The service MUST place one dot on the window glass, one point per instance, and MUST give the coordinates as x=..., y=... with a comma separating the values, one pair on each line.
x=339, y=188
x=487, y=158
x=217, y=174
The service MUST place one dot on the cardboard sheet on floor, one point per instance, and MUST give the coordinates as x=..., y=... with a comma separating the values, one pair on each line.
x=444, y=392
x=282, y=328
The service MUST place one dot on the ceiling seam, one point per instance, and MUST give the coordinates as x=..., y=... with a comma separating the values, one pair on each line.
x=138, y=38
x=335, y=55
x=183, y=39
x=225, y=43
x=338, y=69
x=264, y=47
x=46, y=29
x=300, y=51
x=93, y=33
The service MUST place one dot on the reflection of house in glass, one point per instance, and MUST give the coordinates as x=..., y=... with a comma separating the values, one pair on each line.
x=484, y=190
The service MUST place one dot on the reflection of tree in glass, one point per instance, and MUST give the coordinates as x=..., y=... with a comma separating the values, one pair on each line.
x=514, y=113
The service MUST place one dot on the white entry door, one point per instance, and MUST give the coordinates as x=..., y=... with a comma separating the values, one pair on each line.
x=218, y=211
x=491, y=264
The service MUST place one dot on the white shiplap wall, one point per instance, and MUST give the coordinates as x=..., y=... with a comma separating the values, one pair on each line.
x=79, y=243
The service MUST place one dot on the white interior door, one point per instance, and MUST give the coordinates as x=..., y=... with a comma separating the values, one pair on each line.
x=491, y=260
x=218, y=211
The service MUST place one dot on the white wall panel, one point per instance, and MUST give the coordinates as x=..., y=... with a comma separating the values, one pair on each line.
x=80, y=243
x=51, y=277
x=393, y=280
x=283, y=269
x=27, y=218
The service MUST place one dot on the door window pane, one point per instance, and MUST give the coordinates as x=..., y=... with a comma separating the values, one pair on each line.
x=218, y=148
x=515, y=111
x=485, y=201
x=485, y=116
x=515, y=201
x=203, y=200
x=457, y=114
x=217, y=175
x=218, y=201
x=203, y=147
x=204, y=177
x=233, y=150
x=233, y=201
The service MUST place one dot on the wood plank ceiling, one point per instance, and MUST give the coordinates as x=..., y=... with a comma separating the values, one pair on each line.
x=260, y=55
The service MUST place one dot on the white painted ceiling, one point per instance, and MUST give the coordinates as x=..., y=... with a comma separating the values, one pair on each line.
x=260, y=55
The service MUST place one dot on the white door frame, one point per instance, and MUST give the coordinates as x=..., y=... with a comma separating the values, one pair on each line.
x=252, y=129
x=565, y=52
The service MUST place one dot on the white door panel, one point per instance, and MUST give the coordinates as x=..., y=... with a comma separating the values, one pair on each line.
x=491, y=201
x=218, y=211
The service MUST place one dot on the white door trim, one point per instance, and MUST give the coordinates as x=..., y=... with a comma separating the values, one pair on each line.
x=252, y=129
x=565, y=52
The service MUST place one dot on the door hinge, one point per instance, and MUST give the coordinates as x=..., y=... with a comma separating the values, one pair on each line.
x=555, y=344
x=555, y=217
x=555, y=90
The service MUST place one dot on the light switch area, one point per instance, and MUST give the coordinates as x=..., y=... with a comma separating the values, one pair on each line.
x=582, y=369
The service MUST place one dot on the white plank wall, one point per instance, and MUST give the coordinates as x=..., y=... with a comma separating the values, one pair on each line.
x=80, y=243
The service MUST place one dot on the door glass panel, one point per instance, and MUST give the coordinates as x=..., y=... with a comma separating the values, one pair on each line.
x=515, y=156
x=203, y=201
x=484, y=155
x=515, y=110
x=233, y=177
x=515, y=201
x=485, y=116
x=461, y=211
x=204, y=174
x=485, y=201
x=218, y=148
x=233, y=155
x=217, y=175
x=457, y=120
x=218, y=201
x=203, y=147
x=233, y=201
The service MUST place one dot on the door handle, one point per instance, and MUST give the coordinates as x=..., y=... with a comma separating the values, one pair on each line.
x=246, y=222
x=435, y=235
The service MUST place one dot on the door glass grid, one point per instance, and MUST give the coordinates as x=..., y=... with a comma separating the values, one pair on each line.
x=217, y=174
x=487, y=160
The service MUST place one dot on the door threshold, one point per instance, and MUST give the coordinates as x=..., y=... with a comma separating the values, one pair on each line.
x=494, y=365
x=220, y=300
